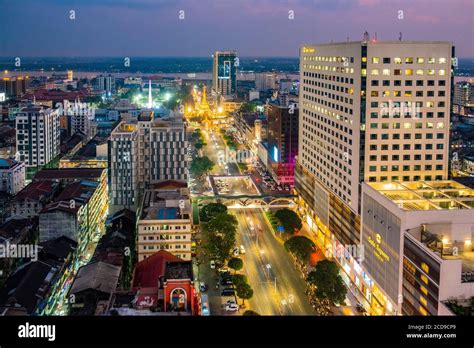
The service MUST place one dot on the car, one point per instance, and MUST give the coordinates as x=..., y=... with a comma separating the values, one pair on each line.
x=203, y=287
x=231, y=301
x=242, y=249
x=232, y=307
x=228, y=292
x=226, y=282
x=279, y=188
x=213, y=264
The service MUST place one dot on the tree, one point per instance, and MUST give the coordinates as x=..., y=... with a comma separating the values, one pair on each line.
x=209, y=211
x=235, y=263
x=329, y=284
x=239, y=279
x=290, y=221
x=301, y=247
x=245, y=292
x=201, y=166
x=250, y=313
x=221, y=232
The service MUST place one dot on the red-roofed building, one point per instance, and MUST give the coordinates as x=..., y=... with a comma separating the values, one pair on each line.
x=165, y=282
x=30, y=201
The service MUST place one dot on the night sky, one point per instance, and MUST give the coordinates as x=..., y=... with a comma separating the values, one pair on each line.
x=252, y=27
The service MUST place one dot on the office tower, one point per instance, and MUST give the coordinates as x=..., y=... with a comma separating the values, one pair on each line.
x=369, y=111
x=282, y=137
x=142, y=152
x=224, y=70
x=37, y=135
x=15, y=86
x=70, y=75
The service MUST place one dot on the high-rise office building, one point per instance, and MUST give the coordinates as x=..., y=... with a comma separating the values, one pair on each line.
x=142, y=152
x=282, y=137
x=224, y=71
x=375, y=112
x=104, y=83
x=463, y=100
x=37, y=135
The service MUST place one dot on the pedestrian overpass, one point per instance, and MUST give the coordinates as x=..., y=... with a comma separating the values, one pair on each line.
x=251, y=202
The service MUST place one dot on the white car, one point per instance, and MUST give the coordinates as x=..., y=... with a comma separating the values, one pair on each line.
x=231, y=307
x=242, y=249
x=213, y=264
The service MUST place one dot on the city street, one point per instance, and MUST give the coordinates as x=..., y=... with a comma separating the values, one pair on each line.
x=278, y=287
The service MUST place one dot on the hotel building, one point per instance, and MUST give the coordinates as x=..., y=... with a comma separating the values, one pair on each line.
x=143, y=152
x=369, y=112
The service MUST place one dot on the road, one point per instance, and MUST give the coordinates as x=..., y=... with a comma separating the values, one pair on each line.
x=278, y=287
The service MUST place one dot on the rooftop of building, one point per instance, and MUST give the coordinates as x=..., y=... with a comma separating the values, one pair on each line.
x=149, y=271
x=179, y=270
x=99, y=276
x=6, y=163
x=36, y=191
x=69, y=173
x=377, y=42
x=427, y=195
x=164, y=204
x=79, y=191
x=11, y=228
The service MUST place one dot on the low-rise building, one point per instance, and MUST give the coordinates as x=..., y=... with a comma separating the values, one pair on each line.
x=165, y=220
x=417, y=239
x=12, y=176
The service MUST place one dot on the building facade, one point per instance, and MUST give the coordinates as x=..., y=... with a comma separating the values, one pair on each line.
x=165, y=222
x=37, y=136
x=369, y=112
x=224, y=71
x=12, y=176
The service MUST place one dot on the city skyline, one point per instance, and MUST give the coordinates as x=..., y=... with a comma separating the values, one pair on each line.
x=151, y=28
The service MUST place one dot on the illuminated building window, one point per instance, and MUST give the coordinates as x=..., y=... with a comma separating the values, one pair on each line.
x=442, y=72
x=397, y=93
x=423, y=301
x=424, y=279
x=364, y=59
x=430, y=71
x=442, y=61
x=409, y=60
x=423, y=290
x=408, y=72
x=407, y=125
x=422, y=311
x=386, y=93
x=440, y=125
x=374, y=72
x=419, y=72
x=375, y=60
x=420, y=60
x=408, y=93
x=425, y=267
x=431, y=60
x=397, y=60
x=374, y=94
x=386, y=72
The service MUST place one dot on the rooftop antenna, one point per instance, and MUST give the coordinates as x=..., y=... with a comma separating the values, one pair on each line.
x=400, y=36
x=375, y=37
x=366, y=36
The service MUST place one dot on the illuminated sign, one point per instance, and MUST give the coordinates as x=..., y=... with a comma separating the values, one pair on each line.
x=275, y=154
x=309, y=50
x=378, y=251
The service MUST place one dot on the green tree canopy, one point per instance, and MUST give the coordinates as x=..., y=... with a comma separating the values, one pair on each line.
x=209, y=211
x=250, y=313
x=201, y=166
x=239, y=279
x=221, y=232
x=235, y=263
x=290, y=221
x=301, y=247
x=329, y=284
x=244, y=291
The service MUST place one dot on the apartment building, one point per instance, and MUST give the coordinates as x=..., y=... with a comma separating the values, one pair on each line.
x=12, y=176
x=37, y=135
x=165, y=222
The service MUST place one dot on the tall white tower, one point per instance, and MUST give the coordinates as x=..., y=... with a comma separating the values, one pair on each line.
x=150, y=100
